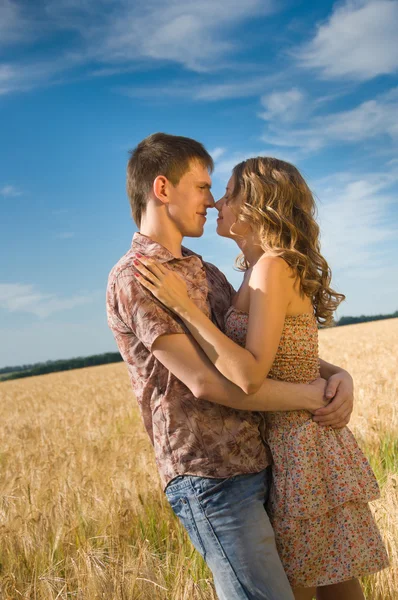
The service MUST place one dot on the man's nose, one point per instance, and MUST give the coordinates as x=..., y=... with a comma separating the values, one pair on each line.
x=210, y=200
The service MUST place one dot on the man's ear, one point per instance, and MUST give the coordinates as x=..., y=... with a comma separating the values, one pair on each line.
x=160, y=188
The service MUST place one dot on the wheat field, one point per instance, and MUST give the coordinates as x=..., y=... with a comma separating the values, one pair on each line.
x=82, y=511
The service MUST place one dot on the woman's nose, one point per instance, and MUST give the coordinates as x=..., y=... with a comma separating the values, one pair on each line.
x=219, y=204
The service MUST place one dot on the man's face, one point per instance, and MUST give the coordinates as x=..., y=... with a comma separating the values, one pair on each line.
x=190, y=199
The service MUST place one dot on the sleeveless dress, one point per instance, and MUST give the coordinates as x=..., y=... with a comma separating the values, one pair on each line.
x=322, y=482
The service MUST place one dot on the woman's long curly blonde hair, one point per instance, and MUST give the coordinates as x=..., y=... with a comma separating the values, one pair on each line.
x=278, y=205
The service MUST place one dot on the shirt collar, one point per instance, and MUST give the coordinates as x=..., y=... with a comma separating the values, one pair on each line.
x=149, y=247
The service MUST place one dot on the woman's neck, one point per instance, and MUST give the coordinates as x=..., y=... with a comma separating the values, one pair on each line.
x=252, y=251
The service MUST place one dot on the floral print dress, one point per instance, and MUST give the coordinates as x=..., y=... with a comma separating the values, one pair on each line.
x=322, y=483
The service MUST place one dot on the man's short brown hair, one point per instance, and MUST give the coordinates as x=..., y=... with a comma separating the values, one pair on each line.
x=160, y=154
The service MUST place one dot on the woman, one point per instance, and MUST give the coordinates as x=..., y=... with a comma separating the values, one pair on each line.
x=322, y=483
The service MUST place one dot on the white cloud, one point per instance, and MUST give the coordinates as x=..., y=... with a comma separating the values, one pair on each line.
x=9, y=80
x=284, y=106
x=12, y=24
x=356, y=233
x=195, y=33
x=359, y=41
x=10, y=191
x=241, y=88
x=17, y=297
x=22, y=77
x=370, y=120
x=116, y=35
x=217, y=153
x=223, y=168
x=354, y=213
x=205, y=92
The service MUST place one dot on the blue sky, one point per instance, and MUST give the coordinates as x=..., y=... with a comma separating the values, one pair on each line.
x=83, y=81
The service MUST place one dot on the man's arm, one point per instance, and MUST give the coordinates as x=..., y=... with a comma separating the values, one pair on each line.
x=340, y=387
x=181, y=355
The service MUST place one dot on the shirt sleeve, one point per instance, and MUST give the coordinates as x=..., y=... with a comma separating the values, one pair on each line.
x=141, y=312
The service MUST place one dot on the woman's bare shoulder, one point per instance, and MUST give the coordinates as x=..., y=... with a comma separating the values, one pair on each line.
x=272, y=267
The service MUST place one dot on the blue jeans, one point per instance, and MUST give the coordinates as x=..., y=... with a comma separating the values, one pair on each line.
x=228, y=525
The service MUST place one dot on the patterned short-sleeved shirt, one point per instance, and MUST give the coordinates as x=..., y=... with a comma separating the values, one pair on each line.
x=190, y=436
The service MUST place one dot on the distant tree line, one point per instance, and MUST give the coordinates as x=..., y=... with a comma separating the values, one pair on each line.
x=364, y=319
x=19, y=368
x=51, y=366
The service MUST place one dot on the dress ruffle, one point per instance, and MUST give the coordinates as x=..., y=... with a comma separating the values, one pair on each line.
x=317, y=469
x=336, y=546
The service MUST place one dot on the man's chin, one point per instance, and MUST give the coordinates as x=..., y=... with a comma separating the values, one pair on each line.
x=194, y=233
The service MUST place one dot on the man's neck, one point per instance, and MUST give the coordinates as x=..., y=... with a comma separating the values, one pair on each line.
x=170, y=240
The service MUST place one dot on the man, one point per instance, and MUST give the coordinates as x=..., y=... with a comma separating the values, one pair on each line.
x=206, y=431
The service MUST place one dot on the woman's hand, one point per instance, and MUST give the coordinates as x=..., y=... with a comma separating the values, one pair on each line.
x=168, y=287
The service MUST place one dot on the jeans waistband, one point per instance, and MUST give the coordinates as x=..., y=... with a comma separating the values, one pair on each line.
x=182, y=482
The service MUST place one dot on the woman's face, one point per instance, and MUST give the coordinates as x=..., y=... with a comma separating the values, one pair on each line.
x=228, y=213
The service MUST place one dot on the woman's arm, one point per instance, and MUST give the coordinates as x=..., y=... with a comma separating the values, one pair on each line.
x=270, y=292
x=181, y=355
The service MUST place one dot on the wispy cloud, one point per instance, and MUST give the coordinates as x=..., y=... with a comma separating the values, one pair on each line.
x=209, y=91
x=12, y=23
x=358, y=41
x=24, y=76
x=371, y=119
x=18, y=297
x=10, y=191
x=284, y=106
x=217, y=153
x=197, y=36
x=355, y=218
x=223, y=167
x=111, y=37
x=239, y=88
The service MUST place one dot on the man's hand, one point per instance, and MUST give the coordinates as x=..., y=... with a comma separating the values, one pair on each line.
x=340, y=392
x=318, y=398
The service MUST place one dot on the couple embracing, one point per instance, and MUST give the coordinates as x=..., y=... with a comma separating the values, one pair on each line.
x=248, y=424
